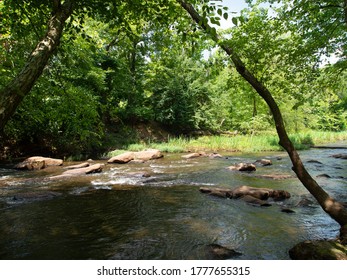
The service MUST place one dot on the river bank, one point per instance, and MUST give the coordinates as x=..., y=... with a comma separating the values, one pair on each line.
x=232, y=143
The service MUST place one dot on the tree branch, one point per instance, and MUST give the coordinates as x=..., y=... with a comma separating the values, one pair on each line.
x=12, y=95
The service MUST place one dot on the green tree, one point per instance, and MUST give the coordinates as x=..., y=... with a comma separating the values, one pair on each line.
x=58, y=14
x=335, y=209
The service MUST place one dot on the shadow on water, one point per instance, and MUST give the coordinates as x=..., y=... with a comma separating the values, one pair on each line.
x=120, y=214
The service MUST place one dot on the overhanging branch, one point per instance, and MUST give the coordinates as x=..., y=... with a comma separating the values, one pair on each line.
x=335, y=209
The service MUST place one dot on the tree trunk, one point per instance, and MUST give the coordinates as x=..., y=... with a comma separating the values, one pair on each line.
x=12, y=95
x=335, y=209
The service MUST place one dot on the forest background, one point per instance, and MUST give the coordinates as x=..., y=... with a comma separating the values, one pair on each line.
x=110, y=80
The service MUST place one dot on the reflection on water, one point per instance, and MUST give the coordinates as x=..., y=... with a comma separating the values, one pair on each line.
x=122, y=214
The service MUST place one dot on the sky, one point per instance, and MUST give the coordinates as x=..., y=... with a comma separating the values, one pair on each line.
x=235, y=6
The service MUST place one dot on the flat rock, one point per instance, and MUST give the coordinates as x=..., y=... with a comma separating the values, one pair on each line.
x=38, y=162
x=191, y=155
x=215, y=155
x=148, y=155
x=76, y=166
x=95, y=168
x=122, y=158
x=137, y=156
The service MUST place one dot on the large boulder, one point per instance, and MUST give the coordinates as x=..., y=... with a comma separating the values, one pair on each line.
x=136, y=156
x=319, y=250
x=38, y=162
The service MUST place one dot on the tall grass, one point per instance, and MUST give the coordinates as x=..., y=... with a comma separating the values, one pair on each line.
x=243, y=143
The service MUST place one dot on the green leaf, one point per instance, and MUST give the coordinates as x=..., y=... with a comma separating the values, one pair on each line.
x=225, y=16
x=235, y=20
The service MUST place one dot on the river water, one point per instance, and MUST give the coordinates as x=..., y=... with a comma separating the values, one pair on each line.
x=118, y=214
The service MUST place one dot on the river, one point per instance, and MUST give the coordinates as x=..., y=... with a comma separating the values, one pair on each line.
x=118, y=214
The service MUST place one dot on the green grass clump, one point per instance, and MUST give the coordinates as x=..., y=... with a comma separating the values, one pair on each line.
x=242, y=143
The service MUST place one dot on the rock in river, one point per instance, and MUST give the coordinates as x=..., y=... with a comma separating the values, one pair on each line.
x=95, y=168
x=255, y=196
x=130, y=156
x=243, y=167
x=319, y=250
x=76, y=166
x=38, y=162
x=263, y=162
x=341, y=156
x=218, y=252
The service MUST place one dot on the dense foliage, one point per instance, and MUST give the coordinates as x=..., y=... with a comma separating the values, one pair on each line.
x=113, y=68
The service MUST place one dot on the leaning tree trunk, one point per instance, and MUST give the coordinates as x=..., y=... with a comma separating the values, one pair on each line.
x=335, y=209
x=12, y=95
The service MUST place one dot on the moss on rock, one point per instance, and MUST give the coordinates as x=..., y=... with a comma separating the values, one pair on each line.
x=319, y=250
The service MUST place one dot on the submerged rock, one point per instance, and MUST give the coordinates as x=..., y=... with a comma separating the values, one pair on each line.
x=260, y=193
x=218, y=252
x=306, y=202
x=323, y=176
x=314, y=161
x=254, y=201
x=318, y=250
x=341, y=156
x=38, y=162
x=34, y=196
x=287, y=210
x=255, y=196
x=276, y=176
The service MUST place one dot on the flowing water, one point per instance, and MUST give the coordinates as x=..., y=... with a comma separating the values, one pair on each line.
x=119, y=214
